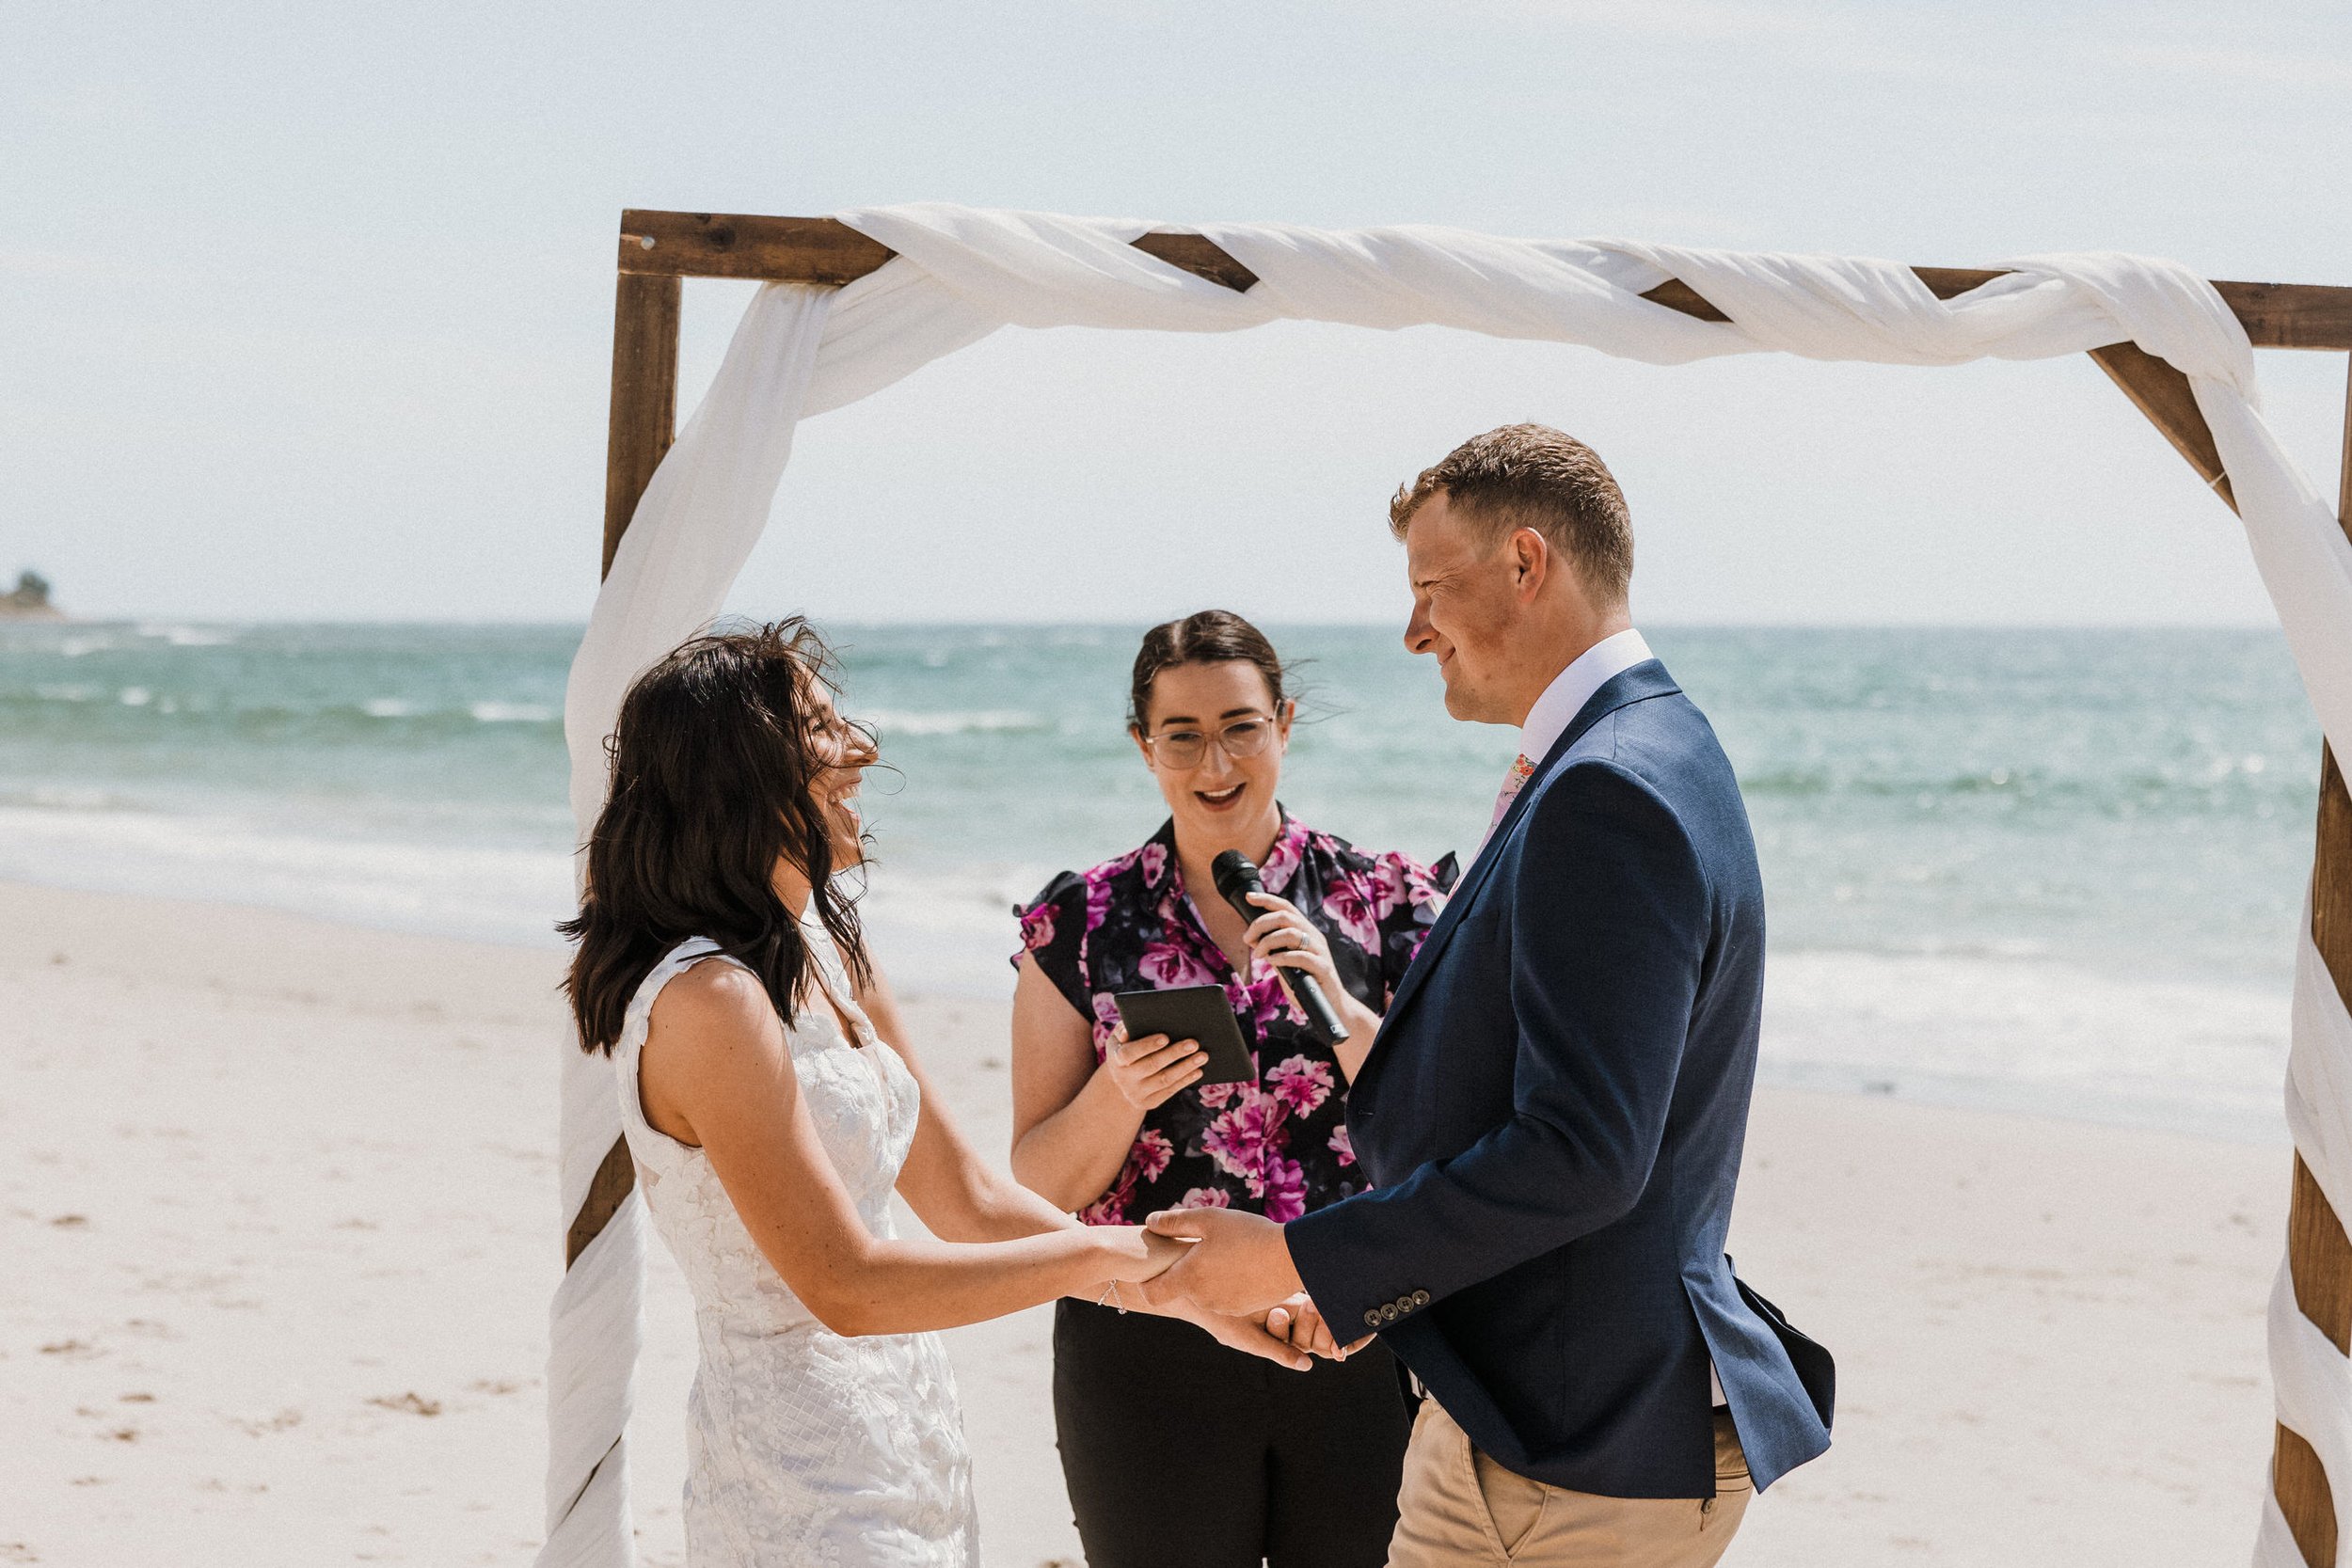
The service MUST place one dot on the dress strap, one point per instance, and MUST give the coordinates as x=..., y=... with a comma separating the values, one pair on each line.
x=629, y=1050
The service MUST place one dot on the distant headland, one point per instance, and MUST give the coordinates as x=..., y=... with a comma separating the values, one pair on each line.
x=30, y=601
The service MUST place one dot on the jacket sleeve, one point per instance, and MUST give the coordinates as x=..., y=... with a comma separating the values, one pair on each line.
x=1609, y=916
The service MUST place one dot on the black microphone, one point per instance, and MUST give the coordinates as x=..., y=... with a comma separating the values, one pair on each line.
x=1236, y=879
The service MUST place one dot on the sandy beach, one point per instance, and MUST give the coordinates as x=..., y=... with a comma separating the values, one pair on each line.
x=277, y=1199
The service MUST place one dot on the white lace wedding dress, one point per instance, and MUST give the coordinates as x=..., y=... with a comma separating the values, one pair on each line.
x=804, y=1447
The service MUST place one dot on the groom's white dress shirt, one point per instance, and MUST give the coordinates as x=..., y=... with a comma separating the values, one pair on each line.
x=1561, y=701
x=1573, y=686
x=1548, y=720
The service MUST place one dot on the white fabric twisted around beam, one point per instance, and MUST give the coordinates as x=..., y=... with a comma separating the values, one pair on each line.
x=961, y=273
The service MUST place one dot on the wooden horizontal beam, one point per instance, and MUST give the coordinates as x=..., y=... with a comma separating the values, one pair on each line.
x=723, y=245
x=824, y=250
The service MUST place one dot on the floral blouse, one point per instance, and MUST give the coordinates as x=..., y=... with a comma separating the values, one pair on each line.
x=1277, y=1146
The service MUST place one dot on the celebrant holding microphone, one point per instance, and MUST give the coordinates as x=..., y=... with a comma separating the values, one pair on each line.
x=1295, y=1469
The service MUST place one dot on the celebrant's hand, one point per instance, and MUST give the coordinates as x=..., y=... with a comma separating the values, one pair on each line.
x=1238, y=1265
x=1287, y=940
x=1152, y=1068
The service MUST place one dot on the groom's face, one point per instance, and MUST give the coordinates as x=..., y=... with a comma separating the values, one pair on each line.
x=1465, y=602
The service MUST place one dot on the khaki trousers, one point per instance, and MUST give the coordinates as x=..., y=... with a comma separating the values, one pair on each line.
x=1461, y=1509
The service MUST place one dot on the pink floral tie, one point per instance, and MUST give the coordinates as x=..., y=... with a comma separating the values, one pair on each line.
x=1513, y=781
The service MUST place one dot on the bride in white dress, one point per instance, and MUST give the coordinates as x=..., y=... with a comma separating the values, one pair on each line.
x=720, y=966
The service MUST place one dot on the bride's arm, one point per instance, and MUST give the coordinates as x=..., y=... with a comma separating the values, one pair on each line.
x=715, y=1071
x=962, y=1197
x=955, y=1193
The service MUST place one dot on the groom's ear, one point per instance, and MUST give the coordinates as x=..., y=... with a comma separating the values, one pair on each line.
x=1530, y=558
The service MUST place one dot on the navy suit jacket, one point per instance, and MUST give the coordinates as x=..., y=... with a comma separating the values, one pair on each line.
x=1553, y=1113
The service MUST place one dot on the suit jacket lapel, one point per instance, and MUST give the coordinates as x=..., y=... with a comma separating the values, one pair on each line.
x=1642, y=681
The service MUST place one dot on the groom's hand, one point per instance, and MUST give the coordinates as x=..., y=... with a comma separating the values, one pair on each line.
x=1299, y=1322
x=1239, y=1265
x=1251, y=1335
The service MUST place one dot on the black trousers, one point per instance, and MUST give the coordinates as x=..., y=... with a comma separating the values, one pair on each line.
x=1182, y=1453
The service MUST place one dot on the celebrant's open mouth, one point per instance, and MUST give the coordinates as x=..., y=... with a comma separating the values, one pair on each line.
x=1221, y=799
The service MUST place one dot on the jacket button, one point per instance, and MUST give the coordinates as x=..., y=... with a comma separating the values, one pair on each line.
x=1388, y=1313
x=1372, y=1316
x=1420, y=1298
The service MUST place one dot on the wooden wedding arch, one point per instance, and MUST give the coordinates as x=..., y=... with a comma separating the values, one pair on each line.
x=660, y=249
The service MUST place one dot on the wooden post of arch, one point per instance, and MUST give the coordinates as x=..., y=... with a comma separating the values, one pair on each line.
x=645, y=311
x=660, y=249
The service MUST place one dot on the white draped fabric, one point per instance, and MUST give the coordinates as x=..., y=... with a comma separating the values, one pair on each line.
x=961, y=273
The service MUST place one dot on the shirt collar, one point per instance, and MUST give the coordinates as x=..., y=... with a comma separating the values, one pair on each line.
x=1573, y=686
x=1290, y=847
x=1161, y=876
x=1159, y=870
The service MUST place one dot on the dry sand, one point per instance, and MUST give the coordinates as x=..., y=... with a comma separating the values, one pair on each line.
x=279, y=1232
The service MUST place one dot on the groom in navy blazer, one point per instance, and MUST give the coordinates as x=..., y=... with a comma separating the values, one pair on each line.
x=1553, y=1111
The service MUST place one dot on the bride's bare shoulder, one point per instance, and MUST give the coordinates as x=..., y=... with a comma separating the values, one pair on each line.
x=713, y=1049
x=714, y=1007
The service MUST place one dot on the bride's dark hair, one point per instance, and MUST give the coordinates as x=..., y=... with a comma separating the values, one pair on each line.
x=714, y=768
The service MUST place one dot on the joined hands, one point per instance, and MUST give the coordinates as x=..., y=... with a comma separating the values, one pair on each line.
x=1233, y=1276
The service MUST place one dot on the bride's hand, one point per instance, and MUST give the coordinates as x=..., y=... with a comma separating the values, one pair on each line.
x=1137, y=1254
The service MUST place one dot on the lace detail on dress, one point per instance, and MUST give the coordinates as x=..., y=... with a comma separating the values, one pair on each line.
x=804, y=1447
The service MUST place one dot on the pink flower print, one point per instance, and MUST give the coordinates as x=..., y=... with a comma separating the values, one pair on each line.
x=1147, y=1159
x=1269, y=1002
x=1110, y=1209
x=1282, y=861
x=1392, y=889
x=1206, y=1197
x=1285, y=1190
x=1169, y=963
x=1348, y=904
x=1154, y=863
x=1098, y=901
x=1343, y=1144
x=1236, y=1140
x=1036, y=927
x=1216, y=1095
x=1301, y=1084
x=1105, y=1021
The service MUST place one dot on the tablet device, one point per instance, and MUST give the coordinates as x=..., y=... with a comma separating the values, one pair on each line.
x=1192, y=1013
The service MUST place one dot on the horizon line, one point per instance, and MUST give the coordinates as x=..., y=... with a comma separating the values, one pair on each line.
x=136, y=619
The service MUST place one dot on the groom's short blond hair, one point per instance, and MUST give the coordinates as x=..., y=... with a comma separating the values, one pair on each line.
x=1533, y=476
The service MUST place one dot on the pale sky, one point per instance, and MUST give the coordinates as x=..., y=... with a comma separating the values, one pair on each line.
x=304, y=309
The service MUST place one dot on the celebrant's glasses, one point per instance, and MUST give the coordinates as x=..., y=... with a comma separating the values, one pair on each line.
x=1183, y=749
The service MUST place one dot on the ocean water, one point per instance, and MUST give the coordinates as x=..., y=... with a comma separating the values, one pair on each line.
x=2043, y=869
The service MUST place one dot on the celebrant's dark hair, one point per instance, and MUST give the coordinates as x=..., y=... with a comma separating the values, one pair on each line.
x=1204, y=637
x=714, y=773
